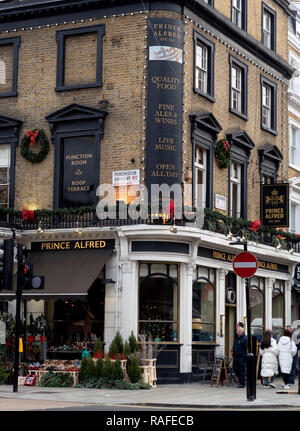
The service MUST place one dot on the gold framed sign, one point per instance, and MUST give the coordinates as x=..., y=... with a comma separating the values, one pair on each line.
x=275, y=205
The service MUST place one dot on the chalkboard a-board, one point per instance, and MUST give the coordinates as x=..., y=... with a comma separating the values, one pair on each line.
x=219, y=372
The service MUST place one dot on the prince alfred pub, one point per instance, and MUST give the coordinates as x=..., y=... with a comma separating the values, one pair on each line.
x=188, y=93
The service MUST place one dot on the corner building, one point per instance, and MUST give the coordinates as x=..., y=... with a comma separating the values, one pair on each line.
x=147, y=91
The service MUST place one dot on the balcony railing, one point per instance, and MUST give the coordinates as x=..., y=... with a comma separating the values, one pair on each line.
x=213, y=222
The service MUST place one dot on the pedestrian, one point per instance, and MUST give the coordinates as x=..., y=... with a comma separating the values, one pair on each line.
x=239, y=352
x=286, y=350
x=296, y=339
x=269, y=359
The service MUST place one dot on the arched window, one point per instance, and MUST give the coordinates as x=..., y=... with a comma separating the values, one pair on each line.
x=257, y=307
x=203, y=312
x=278, y=308
x=158, y=302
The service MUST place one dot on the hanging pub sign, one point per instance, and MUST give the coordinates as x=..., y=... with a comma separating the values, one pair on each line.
x=164, y=102
x=79, y=168
x=275, y=205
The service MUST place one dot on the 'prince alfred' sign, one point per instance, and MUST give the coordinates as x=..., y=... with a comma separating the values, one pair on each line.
x=275, y=205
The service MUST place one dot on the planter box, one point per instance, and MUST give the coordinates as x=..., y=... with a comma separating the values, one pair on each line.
x=149, y=372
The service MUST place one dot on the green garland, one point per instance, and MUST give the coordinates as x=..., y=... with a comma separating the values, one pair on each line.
x=32, y=156
x=223, y=153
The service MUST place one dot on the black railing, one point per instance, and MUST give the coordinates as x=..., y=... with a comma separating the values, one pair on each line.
x=213, y=221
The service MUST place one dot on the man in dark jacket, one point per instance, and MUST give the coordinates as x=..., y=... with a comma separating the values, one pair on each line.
x=239, y=353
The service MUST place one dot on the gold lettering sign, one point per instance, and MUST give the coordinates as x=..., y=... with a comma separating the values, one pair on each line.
x=95, y=244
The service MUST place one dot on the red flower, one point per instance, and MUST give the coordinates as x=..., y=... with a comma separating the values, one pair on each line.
x=27, y=215
x=255, y=226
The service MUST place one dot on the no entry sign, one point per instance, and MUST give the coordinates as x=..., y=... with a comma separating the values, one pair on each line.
x=245, y=264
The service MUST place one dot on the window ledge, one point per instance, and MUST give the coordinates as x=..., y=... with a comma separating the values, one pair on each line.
x=273, y=132
x=206, y=95
x=239, y=114
x=296, y=168
x=10, y=94
x=78, y=87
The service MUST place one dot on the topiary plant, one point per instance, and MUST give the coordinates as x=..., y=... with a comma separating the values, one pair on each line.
x=3, y=375
x=98, y=367
x=134, y=371
x=117, y=344
x=90, y=368
x=117, y=373
x=83, y=373
x=133, y=344
x=107, y=368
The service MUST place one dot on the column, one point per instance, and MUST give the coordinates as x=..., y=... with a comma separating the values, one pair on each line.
x=128, y=301
x=220, y=311
x=186, y=303
x=268, y=304
x=288, y=302
x=110, y=300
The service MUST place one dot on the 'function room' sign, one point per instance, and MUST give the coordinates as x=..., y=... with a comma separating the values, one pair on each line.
x=275, y=205
x=79, y=171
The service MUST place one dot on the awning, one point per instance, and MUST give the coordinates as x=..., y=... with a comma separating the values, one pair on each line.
x=68, y=274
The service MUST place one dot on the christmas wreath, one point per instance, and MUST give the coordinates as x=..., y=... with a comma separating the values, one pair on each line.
x=223, y=153
x=31, y=139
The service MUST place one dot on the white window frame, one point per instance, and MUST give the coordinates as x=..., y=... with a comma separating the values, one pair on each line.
x=201, y=67
x=294, y=83
x=236, y=88
x=295, y=202
x=237, y=10
x=203, y=168
x=267, y=29
x=294, y=144
x=235, y=181
x=266, y=106
x=5, y=164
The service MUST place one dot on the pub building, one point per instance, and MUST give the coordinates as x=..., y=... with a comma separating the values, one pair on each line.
x=187, y=94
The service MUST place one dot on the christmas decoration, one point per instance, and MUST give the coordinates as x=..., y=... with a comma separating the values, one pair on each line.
x=255, y=226
x=31, y=139
x=223, y=153
x=27, y=215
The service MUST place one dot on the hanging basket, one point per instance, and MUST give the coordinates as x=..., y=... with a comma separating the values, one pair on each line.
x=223, y=153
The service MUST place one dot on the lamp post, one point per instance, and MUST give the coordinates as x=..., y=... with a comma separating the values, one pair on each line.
x=251, y=358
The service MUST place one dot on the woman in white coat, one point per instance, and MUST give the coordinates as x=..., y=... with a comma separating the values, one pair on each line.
x=269, y=362
x=286, y=350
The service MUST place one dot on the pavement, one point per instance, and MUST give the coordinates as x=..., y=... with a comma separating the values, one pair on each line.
x=190, y=396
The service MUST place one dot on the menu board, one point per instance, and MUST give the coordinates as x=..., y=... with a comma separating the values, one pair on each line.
x=164, y=102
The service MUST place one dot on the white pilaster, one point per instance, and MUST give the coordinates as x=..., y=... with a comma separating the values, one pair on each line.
x=268, y=305
x=186, y=303
x=128, y=302
x=288, y=303
x=220, y=310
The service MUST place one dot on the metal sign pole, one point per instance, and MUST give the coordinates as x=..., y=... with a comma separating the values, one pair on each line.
x=250, y=359
x=18, y=309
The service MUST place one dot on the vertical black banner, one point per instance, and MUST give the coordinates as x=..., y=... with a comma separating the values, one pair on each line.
x=275, y=205
x=79, y=171
x=164, y=105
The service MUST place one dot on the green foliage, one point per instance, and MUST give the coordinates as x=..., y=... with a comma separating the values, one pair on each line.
x=35, y=156
x=107, y=369
x=98, y=348
x=3, y=375
x=51, y=379
x=133, y=344
x=98, y=367
x=127, y=350
x=112, y=384
x=91, y=370
x=117, y=373
x=83, y=373
x=134, y=371
x=117, y=344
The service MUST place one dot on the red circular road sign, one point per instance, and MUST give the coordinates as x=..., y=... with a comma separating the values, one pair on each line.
x=245, y=264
